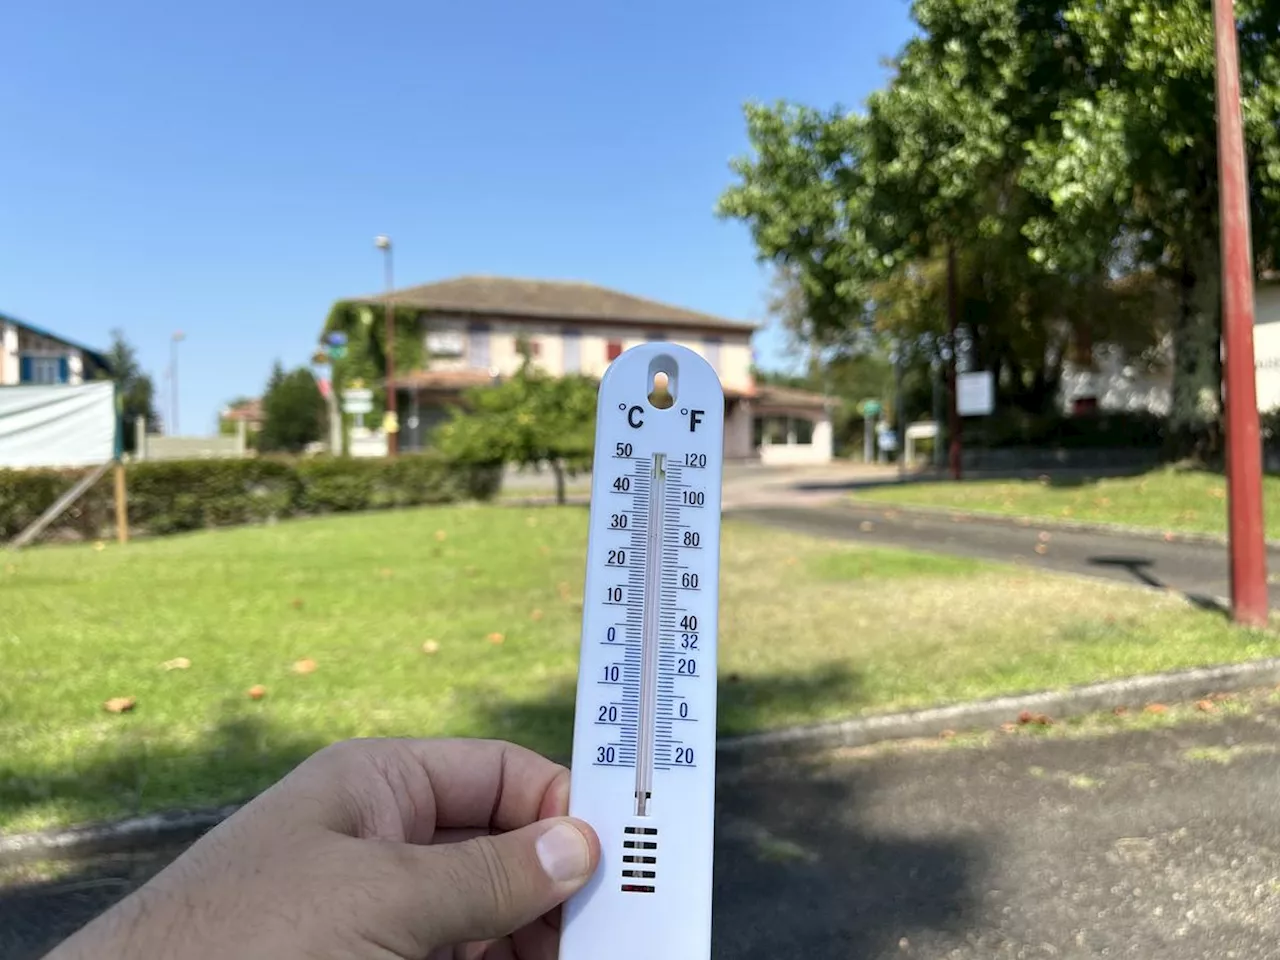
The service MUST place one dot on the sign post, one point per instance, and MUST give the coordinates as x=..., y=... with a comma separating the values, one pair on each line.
x=870, y=410
x=357, y=401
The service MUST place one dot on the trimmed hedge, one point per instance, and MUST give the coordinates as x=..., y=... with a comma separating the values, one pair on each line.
x=174, y=496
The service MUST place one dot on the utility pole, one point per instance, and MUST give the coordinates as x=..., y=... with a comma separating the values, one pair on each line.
x=955, y=442
x=383, y=243
x=1249, y=603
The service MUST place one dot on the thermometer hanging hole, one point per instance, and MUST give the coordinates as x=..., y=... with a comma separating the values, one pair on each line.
x=662, y=383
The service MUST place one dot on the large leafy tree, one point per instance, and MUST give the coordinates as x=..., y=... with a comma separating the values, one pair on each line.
x=530, y=419
x=1130, y=161
x=1061, y=150
x=137, y=392
x=293, y=411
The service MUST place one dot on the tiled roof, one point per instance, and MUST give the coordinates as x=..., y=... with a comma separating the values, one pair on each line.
x=552, y=300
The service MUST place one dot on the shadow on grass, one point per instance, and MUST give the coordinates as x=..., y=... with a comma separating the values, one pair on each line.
x=745, y=704
x=796, y=875
x=239, y=757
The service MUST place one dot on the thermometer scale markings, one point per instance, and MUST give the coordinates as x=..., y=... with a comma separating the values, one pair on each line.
x=647, y=708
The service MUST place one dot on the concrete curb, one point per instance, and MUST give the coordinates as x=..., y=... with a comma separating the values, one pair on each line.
x=179, y=825
x=1074, y=701
x=1040, y=523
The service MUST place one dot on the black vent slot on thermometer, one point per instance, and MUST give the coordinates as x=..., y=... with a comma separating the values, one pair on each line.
x=644, y=727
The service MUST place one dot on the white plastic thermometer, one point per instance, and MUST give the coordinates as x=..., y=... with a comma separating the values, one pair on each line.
x=644, y=735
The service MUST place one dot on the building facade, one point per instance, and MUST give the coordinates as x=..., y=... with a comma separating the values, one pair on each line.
x=31, y=356
x=472, y=328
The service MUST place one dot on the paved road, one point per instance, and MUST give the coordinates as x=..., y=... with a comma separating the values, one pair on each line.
x=1198, y=570
x=1141, y=844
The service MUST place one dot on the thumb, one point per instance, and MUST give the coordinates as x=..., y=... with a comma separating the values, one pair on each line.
x=491, y=886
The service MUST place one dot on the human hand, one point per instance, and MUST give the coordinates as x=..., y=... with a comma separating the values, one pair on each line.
x=374, y=849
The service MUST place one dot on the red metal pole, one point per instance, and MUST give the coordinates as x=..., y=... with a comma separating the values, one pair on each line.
x=1244, y=444
x=953, y=410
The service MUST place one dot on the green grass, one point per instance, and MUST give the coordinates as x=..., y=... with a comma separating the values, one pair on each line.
x=810, y=630
x=1168, y=499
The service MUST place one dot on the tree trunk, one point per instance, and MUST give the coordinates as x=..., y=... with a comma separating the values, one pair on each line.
x=1195, y=413
x=557, y=467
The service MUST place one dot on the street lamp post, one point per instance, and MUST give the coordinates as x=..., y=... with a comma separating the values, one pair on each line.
x=383, y=243
x=176, y=339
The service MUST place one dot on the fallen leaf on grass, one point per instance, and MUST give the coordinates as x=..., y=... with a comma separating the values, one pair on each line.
x=296, y=603
x=866, y=526
x=1008, y=727
x=564, y=589
x=531, y=521
x=430, y=646
x=120, y=704
x=256, y=692
x=1170, y=536
x=1155, y=708
x=891, y=514
x=1044, y=536
x=946, y=734
x=792, y=561
x=1026, y=717
x=177, y=663
x=1206, y=706
x=1221, y=697
x=441, y=535
x=1120, y=711
x=305, y=666
x=535, y=615
x=496, y=638
x=10, y=568
x=544, y=550
x=386, y=573
x=1041, y=549
x=99, y=545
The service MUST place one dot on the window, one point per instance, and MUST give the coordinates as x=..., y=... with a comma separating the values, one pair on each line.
x=478, y=346
x=613, y=350
x=43, y=370
x=782, y=431
x=572, y=351
x=445, y=343
x=711, y=351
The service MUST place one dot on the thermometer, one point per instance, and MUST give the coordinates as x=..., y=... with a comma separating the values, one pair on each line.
x=644, y=734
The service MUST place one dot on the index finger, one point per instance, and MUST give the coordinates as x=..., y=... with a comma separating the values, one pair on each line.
x=450, y=784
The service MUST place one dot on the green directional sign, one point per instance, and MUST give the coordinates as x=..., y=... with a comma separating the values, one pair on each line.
x=870, y=408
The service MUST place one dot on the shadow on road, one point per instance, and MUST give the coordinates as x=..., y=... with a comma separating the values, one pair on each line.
x=1140, y=569
x=797, y=875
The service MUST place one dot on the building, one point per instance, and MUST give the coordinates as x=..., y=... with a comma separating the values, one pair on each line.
x=1109, y=382
x=471, y=325
x=32, y=356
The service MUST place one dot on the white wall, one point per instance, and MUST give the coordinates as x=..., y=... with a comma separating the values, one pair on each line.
x=800, y=454
x=733, y=367
x=8, y=354
x=1266, y=344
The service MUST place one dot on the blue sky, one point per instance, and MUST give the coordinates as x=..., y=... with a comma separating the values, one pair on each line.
x=221, y=168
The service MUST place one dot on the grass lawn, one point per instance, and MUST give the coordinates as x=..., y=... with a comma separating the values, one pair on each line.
x=810, y=630
x=1168, y=499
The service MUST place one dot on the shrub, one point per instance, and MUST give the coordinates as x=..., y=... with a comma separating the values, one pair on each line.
x=174, y=496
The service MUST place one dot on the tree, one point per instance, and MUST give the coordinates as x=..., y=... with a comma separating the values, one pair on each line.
x=530, y=419
x=137, y=392
x=293, y=411
x=1130, y=159
x=1061, y=151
